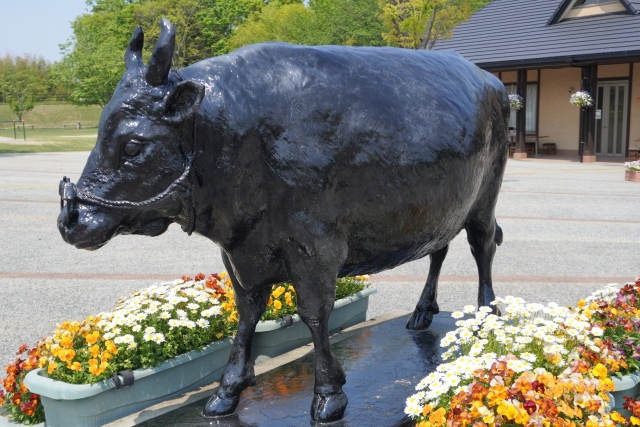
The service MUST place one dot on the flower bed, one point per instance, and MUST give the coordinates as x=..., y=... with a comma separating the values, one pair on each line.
x=537, y=366
x=147, y=333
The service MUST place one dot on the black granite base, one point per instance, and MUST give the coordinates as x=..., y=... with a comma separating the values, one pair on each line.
x=383, y=364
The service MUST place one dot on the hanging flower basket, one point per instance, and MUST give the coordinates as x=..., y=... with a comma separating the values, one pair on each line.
x=516, y=101
x=582, y=99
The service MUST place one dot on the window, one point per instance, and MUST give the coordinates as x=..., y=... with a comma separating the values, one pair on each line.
x=586, y=8
x=592, y=2
x=531, y=107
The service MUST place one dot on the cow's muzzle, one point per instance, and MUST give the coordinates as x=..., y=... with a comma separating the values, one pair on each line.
x=76, y=202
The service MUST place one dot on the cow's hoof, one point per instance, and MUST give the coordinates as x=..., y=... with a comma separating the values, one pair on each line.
x=327, y=408
x=220, y=406
x=420, y=320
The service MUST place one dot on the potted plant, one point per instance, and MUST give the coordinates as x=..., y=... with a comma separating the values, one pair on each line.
x=616, y=312
x=174, y=337
x=632, y=171
x=582, y=99
x=516, y=101
x=524, y=368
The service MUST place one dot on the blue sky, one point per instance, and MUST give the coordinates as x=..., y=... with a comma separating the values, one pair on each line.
x=37, y=26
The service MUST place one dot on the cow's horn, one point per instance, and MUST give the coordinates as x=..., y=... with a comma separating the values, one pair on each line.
x=133, y=55
x=160, y=61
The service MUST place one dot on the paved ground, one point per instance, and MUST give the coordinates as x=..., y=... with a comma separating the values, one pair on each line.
x=569, y=229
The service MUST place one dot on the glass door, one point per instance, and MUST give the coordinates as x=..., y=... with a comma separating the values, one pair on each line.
x=611, y=118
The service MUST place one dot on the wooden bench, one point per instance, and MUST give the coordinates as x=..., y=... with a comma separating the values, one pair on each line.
x=549, y=148
x=78, y=125
x=33, y=127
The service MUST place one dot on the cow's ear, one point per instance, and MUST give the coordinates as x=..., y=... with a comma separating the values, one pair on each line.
x=183, y=102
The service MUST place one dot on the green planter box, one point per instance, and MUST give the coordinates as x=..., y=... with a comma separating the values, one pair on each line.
x=93, y=405
x=272, y=338
x=628, y=385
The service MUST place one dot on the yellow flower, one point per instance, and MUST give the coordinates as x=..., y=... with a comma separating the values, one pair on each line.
x=233, y=317
x=66, y=342
x=92, y=337
x=278, y=291
x=599, y=371
x=288, y=300
x=111, y=347
x=94, y=350
x=66, y=355
x=52, y=366
x=277, y=304
x=75, y=366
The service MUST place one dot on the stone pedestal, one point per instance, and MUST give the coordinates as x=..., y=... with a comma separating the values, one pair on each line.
x=519, y=156
x=588, y=159
x=383, y=364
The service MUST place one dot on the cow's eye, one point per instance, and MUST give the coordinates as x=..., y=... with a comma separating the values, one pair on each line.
x=132, y=148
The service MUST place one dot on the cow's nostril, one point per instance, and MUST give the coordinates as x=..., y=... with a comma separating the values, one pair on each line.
x=72, y=219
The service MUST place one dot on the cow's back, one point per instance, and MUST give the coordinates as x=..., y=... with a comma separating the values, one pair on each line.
x=387, y=140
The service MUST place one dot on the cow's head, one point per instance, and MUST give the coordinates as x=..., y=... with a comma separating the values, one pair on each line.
x=136, y=180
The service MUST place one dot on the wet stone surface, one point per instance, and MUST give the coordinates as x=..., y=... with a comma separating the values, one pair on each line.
x=383, y=364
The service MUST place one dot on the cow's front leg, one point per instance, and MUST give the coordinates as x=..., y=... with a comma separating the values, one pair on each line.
x=239, y=374
x=316, y=294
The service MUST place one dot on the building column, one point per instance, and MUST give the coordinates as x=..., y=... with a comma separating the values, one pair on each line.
x=521, y=117
x=588, y=115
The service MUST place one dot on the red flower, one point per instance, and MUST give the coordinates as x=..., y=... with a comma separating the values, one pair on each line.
x=10, y=384
x=530, y=406
x=35, y=398
x=28, y=408
x=2, y=396
x=16, y=399
x=22, y=349
x=186, y=278
x=199, y=277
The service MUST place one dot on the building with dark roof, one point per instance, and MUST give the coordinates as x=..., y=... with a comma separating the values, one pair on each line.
x=546, y=50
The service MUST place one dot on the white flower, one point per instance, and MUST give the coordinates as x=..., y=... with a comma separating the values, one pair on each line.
x=203, y=323
x=193, y=306
x=136, y=328
x=132, y=346
x=109, y=335
x=149, y=330
x=469, y=308
x=596, y=331
x=528, y=357
x=141, y=316
x=127, y=339
x=148, y=337
x=457, y=315
x=181, y=313
x=165, y=315
x=174, y=323
x=167, y=307
x=158, y=338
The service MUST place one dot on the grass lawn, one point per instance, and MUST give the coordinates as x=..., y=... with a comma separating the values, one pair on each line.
x=50, y=114
x=49, y=134
x=48, y=140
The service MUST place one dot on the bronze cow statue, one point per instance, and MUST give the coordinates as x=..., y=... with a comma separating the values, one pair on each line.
x=304, y=164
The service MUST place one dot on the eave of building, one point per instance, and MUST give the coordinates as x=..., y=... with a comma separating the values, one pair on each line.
x=525, y=40
x=562, y=61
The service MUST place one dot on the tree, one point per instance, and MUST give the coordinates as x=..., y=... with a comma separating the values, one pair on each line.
x=93, y=59
x=221, y=17
x=23, y=81
x=322, y=22
x=419, y=24
x=186, y=16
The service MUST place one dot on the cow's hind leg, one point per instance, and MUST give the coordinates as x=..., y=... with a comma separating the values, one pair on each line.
x=483, y=235
x=427, y=306
x=239, y=374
